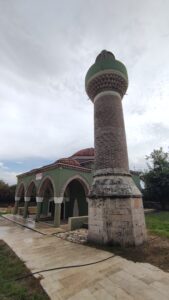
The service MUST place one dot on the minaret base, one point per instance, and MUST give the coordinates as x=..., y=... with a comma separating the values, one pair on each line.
x=116, y=221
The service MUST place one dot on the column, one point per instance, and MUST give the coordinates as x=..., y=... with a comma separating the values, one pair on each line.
x=57, y=201
x=39, y=201
x=116, y=214
x=25, y=213
x=110, y=139
x=17, y=199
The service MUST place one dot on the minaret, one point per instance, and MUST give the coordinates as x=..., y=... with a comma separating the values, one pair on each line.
x=116, y=212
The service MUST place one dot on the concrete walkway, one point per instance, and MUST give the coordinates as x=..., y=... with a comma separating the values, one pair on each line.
x=115, y=278
x=41, y=227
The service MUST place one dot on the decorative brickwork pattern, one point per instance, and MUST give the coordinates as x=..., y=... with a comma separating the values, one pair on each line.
x=110, y=139
x=107, y=82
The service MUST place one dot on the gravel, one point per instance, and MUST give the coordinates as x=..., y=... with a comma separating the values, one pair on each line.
x=78, y=236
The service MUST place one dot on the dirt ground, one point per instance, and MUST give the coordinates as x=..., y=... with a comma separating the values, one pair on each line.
x=155, y=251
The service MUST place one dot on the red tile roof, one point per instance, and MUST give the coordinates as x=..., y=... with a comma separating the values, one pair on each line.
x=84, y=152
x=68, y=161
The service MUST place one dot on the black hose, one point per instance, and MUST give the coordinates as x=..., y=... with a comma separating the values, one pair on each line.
x=63, y=267
x=59, y=268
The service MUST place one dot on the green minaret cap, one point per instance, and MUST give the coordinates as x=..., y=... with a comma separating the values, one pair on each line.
x=106, y=61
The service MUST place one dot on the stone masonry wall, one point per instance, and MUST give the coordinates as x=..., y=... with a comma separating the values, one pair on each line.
x=117, y=220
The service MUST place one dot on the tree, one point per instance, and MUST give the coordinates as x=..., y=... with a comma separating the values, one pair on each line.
x=7, y=193
x=156, y=178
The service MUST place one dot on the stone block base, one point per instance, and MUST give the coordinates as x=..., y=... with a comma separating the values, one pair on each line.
x=117, y=221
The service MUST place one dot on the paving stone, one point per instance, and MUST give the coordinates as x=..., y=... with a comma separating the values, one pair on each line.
x=116, y=278
x=83, y=295
x=161, y=287
x=114, y=290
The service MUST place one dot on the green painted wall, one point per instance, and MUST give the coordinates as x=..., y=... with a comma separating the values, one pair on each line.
x=136, y=179
x=59, y=177
x=67, y=174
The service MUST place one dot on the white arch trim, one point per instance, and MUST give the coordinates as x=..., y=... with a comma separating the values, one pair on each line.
x=41, y=184
x=78, y=178
x=39, y=199
x=17, y=198
x=58, y=200
x=27, y=199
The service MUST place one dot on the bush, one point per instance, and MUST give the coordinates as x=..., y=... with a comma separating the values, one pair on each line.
x=7, y=193
x=156, y=178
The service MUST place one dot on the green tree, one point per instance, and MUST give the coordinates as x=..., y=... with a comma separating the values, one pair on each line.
x=7, y=193
x=156, y=178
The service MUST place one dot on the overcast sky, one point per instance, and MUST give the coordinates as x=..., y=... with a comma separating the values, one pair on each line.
x=46, y=48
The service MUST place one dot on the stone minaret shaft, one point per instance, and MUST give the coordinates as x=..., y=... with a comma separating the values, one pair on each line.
x=115, y=203
x=110, y=140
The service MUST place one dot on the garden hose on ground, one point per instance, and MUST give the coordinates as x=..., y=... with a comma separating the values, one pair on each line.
x=71, y=266
x=61, y=268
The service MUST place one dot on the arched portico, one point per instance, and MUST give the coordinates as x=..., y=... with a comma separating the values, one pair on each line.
x=19, y=197
x=45, y=199
x=73, y=198
x=59, y=193
x=47, y=182
x=20, y=192
x=79, y=178
x=31, y=191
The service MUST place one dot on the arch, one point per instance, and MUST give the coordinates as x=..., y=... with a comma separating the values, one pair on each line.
x=30, y=188
x=79, y=178
x=46, y=191
x=20, y=192
x=45, y=183
x=77, y=189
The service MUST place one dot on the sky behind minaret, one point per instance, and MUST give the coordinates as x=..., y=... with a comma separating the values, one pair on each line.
x=46, y=48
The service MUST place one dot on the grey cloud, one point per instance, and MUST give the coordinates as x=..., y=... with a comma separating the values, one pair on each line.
x=46, y=48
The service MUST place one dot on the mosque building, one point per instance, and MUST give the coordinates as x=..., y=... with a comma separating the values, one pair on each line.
x=58, y=190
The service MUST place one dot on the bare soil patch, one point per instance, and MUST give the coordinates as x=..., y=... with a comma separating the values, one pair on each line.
x=155, y=251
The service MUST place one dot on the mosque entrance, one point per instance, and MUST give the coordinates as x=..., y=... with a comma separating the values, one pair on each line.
x=74, y=203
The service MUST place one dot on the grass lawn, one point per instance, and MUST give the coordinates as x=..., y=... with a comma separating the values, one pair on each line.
x=12, y=267
x=158, y=223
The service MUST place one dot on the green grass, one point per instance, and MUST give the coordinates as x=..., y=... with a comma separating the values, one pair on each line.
x=158, y=223
x=12, y=267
